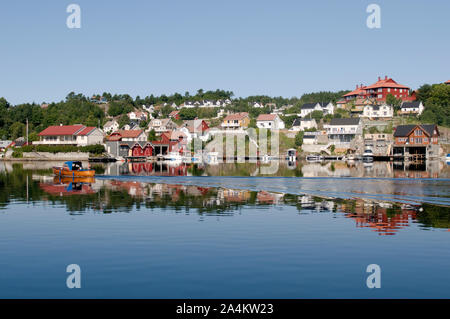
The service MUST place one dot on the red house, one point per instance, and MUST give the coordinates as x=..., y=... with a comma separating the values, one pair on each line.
x=419, y=140
x=380, y=90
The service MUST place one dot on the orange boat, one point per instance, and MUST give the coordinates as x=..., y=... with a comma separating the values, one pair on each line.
x=73, y=169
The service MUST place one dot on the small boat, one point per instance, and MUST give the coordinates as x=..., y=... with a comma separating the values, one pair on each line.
x=173, y=156
x=314, y=158
x=368, y=155
x=73, y=169
x=448, y=158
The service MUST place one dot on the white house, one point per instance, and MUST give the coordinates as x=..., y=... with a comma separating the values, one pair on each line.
x=137, y=116
x=378, y=111
x=326, y=108
x=415, y=107
x=195, y=129
x=270, y=121
x=111, y=126
x=79, y=135
x=344, y=130
x=300, y=124
x=162, y=125
x=257, y=105
x=149, y=108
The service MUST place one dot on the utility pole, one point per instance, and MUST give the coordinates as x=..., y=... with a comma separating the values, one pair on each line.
x=27, y=131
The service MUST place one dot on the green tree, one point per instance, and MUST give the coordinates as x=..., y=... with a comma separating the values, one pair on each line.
x=299, y=139
x=151, y=135
x=123, y=120
x=392, y=100
x=317, y=115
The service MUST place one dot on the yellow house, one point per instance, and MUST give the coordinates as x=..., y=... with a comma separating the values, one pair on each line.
x=236, y=121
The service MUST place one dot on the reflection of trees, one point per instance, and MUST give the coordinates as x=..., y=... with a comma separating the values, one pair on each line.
x=125, y=196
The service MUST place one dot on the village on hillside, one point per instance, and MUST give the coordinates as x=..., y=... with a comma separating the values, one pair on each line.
x=380, y=120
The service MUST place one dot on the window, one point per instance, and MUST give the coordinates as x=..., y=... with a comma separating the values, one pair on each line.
x=418, y=132
x=418, y=140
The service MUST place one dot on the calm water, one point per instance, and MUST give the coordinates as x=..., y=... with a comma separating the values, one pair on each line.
x=140, y=231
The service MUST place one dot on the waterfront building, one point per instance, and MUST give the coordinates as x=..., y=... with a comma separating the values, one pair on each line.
x=120, y=143
x=416, y=140
x=78, y=135
x=343, y=130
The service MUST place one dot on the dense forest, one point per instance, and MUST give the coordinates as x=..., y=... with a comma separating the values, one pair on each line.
x=78, y=108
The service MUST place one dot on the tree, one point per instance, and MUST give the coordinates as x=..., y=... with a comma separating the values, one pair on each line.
x=123, y=120
x=151, y=135
x=317, y=115
x=188, y=113
x=392, y=100
x=299, y=139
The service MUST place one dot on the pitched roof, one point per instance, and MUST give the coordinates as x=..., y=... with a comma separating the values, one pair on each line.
x=308, y=106
x=410, y=105
x=190, y=125
x=357, y=91
x=447, y=82
x=386, y=83
x=345, y=121
x=298, y=121
x=266, y=117
x=86, y=131
x=236, y=116
x=405, y=130
x=118, y=135
x=61, y=130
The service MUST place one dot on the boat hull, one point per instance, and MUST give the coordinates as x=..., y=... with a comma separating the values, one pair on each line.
x=60, y=171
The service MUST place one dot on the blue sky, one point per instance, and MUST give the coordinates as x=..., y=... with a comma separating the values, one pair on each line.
x=278, y=48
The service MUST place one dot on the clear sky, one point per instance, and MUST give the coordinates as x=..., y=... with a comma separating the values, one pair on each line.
x=278, y=48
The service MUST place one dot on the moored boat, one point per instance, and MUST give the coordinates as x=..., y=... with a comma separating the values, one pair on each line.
x=73, y=169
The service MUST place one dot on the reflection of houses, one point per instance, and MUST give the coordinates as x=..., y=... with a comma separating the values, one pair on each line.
x=268, y=198
x=234, y=195
x=79, y=135
x=418, y=141
x=377, y=218
x=343, y=130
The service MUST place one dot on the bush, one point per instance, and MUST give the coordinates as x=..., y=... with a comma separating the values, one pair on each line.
x=93, y=149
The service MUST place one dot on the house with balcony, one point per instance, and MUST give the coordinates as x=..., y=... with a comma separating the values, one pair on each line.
x=162, y=125
x=236, y=121
x=416, y=141
x=78, y=135
x=270, y=121
x=121, y=143
x=344, y=130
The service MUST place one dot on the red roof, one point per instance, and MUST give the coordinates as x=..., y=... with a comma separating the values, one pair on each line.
x=448, y=82
x=118, y=135
x=61, y=130
x=359, y=91
x=386, y=83
x=236, y=116
x=266, y=117
x=86, y=130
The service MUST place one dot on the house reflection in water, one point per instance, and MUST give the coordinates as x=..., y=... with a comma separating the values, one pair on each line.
x=148, y=169
x=383, y=218
x=69, y=186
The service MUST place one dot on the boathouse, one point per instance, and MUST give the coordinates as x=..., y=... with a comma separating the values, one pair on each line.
x=416, y=141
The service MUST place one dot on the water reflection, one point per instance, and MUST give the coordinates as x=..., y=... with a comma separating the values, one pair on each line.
x=116, y=195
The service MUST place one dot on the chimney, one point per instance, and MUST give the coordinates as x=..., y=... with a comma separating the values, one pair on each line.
x=385, y=77
x=379, y=78
x=356, y=85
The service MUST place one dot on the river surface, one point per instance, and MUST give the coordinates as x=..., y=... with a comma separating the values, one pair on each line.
x=305, y=230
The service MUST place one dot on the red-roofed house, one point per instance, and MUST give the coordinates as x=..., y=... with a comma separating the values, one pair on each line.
x=79, y=135
x=174, y=115
x=269, y=121
x=448, y=82
x=380, y=90
x=236, y=121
